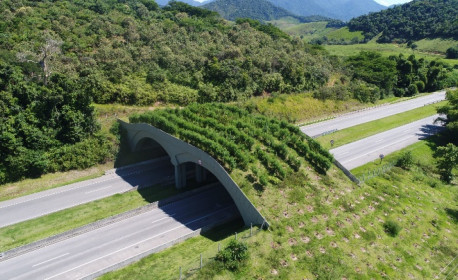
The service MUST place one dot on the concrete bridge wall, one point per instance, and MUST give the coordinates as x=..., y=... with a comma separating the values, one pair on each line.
x=180, y=153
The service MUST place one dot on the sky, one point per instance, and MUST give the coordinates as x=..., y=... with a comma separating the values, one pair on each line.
x=383, y=2
x=391, y=2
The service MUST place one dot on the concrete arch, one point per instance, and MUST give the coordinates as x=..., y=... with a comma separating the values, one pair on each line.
x=180, y=153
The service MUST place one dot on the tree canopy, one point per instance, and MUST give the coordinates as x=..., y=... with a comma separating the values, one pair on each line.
x=416, y=20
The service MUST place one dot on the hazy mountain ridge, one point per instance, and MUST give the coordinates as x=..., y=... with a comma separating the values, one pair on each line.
x=262, y=10
x=338, y=9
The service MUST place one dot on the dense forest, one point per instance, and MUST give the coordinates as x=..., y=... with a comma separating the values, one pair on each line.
x=416, y=20
x=133, y=52
x=58, y=58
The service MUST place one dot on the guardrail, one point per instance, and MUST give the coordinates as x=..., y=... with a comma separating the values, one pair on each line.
x=325, y=133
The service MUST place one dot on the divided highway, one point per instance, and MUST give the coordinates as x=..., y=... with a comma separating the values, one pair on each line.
x=95, y=251
x=35, y=205
x=368, y=149
x=356, y=118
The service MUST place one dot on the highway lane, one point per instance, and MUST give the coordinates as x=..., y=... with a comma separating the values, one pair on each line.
x=356, y=118
x=99, y=249
x=368, y=149
x=35, y=205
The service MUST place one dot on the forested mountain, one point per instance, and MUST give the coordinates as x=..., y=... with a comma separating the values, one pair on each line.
x=338, y=9
x=57, y=57
x=416, y=20
x=261, y=10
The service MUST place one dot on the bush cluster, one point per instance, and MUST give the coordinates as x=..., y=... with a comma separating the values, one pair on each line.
x=233, y=256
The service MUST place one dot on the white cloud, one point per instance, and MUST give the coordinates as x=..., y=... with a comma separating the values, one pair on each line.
x=391, y=2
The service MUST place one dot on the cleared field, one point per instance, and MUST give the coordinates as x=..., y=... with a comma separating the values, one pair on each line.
x=386, y=50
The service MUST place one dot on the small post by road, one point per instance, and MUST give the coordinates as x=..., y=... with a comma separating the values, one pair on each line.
x=332, y=143
x=200, y=261
x=235, y=235
x=180, y=272
x=251, y=229
x=381, y=156
x=219, y=247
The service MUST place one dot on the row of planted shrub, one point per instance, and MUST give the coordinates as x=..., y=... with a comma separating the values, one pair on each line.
x=235, y=138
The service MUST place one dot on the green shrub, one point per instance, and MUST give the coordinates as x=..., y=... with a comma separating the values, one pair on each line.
x=392, y=228
x=233, y=256
x=405, y=161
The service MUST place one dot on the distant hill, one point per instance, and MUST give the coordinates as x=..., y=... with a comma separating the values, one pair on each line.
x=261, y=10
x=412, y=21
x=190, y=2
x=338, y=9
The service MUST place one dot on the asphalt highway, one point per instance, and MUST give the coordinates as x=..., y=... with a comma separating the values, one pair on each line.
x=368, y=149
x=94, y=251
x=356, y=118
x=35, y=205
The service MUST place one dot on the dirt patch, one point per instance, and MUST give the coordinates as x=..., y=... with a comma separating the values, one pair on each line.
x=289, y=229
x=362, y=229
x=309, y=208
x=357, y=236
x=274, y=272
x=284, y=263
x=314, y=219
x=275, y=245
x=292, y=242
x=285, y=214
x=329, y=231
x=318, y=235
x=293, y=257
x=325, y=217
x=300, y=211
x=301, y=224
x=309, y=254
x=333, y=244
x=322, y=250
x=345, y=239
x=356, y=216
x=305, y=239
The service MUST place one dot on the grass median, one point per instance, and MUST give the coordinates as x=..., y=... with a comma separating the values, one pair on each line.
x=364, y=130
x=33, y=230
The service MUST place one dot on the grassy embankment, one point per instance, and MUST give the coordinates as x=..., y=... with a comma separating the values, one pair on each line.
x=316, y=30
x=325, y=227
x=364, y=130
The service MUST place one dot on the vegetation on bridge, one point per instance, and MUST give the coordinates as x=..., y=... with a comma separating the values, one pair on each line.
x=267, y=149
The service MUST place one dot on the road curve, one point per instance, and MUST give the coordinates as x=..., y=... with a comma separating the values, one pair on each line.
x=368, y=149
x=42, y=203
x=356, y=118
x=92, y=252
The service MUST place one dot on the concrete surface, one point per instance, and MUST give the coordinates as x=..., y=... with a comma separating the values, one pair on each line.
x=95, y=251
x=355, y=118
x=368, y=149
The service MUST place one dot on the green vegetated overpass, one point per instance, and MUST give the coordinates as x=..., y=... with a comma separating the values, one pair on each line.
x=181, y=153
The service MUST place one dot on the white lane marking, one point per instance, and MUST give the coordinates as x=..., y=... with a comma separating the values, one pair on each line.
x=132, y=245
x=379, y=148
x=381, y=140
x=51, y=259
x=117, y=177
x=98, y=190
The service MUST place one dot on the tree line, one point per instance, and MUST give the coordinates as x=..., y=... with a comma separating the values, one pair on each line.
x=412, y=21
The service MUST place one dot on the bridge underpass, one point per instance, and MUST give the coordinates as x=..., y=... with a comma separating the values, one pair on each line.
x=190, y=163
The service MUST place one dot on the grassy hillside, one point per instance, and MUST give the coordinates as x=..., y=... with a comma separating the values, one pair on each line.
x=322, y=225
x=319, y=32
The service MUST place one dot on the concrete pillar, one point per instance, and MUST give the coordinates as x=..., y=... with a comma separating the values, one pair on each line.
x=201, y=174
x=180, y=176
